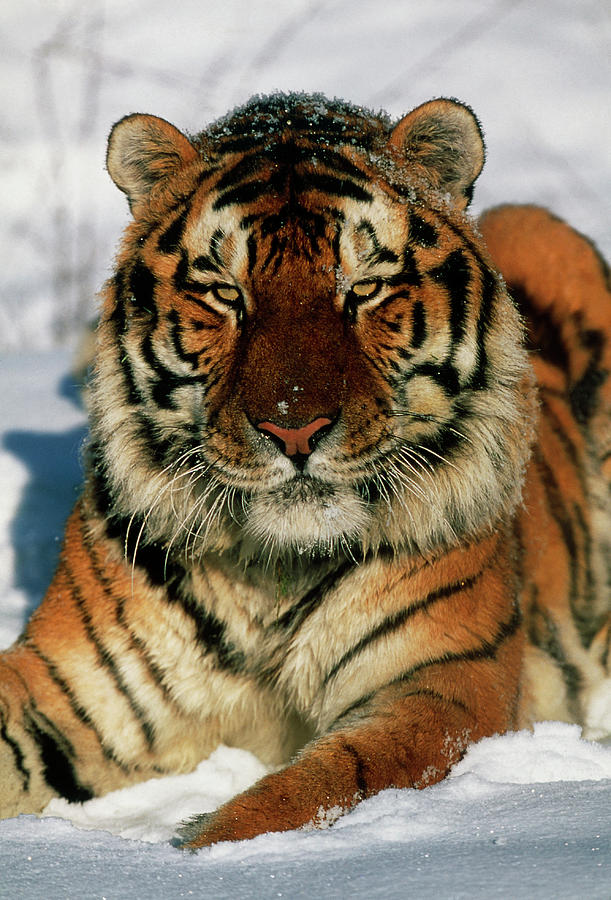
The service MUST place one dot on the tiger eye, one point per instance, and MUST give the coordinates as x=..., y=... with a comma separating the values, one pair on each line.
x=365, y=289
x=227, y=293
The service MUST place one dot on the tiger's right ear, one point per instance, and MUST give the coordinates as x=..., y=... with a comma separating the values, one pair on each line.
x=442, y=140
x=142, y=151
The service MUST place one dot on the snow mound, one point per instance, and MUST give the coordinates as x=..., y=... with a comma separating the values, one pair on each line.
x=553, y=751
x=151, y=811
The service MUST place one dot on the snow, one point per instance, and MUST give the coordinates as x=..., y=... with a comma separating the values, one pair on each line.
x=524, y=814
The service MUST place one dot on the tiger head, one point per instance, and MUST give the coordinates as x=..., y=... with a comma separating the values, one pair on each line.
x=305, y=348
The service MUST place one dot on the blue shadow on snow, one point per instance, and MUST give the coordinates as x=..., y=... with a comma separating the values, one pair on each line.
x=54, y=464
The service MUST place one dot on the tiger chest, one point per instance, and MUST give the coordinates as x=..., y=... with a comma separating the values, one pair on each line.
x=319, y=650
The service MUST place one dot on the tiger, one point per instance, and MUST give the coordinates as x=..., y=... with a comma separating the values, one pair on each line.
x=346, y=501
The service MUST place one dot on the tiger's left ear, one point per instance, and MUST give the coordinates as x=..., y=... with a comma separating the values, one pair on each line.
x=442, y=139
x=142, y=152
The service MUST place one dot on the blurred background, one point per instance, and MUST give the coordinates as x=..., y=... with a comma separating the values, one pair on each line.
x=537, y=73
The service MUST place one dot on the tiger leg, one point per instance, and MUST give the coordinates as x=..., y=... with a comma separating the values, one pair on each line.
x=409, y=735
x=43, y=742
x=63, y=731
x=24, y=789
x=597, y=697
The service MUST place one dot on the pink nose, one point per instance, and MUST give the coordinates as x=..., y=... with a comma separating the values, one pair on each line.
x=295, y=441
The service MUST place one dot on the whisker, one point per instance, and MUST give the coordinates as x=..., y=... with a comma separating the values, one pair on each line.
x=434, y=453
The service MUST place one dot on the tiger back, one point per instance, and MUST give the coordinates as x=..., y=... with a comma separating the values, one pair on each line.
x=336, y=511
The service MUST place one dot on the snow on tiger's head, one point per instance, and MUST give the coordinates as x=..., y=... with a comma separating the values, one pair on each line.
x=305, y=347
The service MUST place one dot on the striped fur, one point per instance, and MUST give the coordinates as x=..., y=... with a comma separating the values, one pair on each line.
x=337, y=511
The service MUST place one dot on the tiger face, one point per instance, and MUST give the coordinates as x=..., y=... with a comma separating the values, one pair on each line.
x=304, y=348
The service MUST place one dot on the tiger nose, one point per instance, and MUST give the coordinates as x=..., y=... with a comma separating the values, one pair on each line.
x=297, y=441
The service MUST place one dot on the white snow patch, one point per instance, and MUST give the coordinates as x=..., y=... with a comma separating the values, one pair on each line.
x=152, y=810
x=553, y=751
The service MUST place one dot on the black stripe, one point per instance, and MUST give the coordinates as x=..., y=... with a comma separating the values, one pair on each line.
x=18, y=756
x=398, y=619
x=294, y=617
x=167, y=381
x=118, y=287
x=455, y=275
x=135, y=397
x=148, y=556
x=486, y=650
x=251, y=246
x=119, y=320
x=543, y=333
x=193, y=290
x=106, y=658
x=560, y=432
x=478, y=380
x=210, y=633
x=79, y=711
x=276, y=253
x=142, y=284
x=409, y=274
x=363, y=700
x=161, y=569
x=604, y=659
x=422, y=232
x=271, y=224
x=359, y=766
x=561, y=516
x=401, y=294
x=175, y=331
x=172, y=236
x=164, y=571
x=244, y=193
x=149, y=355
x=435, y=695
x=545, y=337
x=181, y=272
x=57, y=767
x=444, y=374
x=588, y=624
x=543, y=632
x=333, y=160
x=396, y=327
x=366, y=698
x=198, y=325
x=418, y=325
x=204, y=263
x=379, y=253
x=118, y=602
x=243, y=170
x=329, y=184
x=584, y=393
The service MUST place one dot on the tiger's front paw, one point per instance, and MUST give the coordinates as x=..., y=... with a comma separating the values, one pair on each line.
x=189, y=832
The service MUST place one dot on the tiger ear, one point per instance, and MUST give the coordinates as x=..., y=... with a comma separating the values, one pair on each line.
x=443, y=139
x=142, y=151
